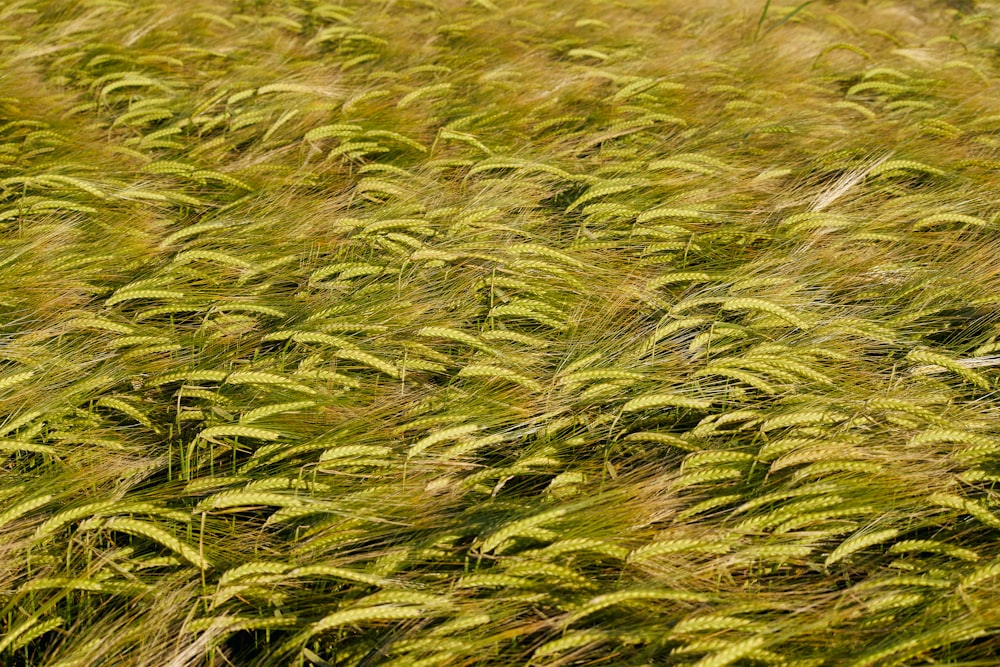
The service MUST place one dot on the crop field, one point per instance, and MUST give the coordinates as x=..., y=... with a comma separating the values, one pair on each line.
x=458, y=333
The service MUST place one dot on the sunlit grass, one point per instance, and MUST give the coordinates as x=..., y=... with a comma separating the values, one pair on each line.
x=433, y=332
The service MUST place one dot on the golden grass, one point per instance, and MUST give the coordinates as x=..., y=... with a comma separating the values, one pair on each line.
x=447, y=332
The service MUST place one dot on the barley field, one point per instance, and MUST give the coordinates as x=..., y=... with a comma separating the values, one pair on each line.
x=423, y=333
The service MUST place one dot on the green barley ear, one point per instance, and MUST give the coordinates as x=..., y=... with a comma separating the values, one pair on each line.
x=860, y=541
x=20, y=509
x=28, y=632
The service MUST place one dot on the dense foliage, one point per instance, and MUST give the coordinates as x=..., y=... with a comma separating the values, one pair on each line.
x=499, y=332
